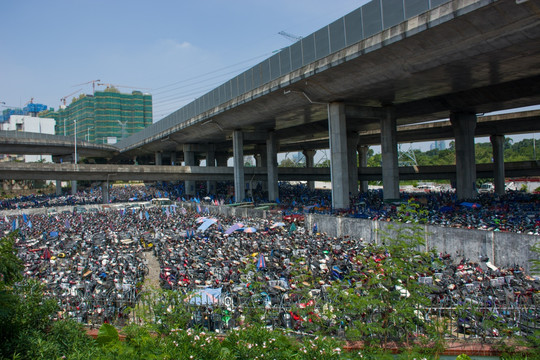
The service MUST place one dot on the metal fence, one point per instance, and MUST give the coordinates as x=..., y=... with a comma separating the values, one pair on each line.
x=469, y=321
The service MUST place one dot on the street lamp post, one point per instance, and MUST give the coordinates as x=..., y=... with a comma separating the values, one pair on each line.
x=74, y=182
x=75, y=160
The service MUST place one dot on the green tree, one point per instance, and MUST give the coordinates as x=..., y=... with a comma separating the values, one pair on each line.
x=325, y=163
x=386, y=303
x=10, y=273
x=290, y=163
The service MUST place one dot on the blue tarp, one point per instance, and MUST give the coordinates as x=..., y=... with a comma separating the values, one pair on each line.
x=208, y=296
x=471, y=205
x=206, y=224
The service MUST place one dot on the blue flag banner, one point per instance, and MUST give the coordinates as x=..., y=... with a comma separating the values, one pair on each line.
x=29, y=224
x=14, y=225
x=261, y=263
x=146, y=215
x=25, y=218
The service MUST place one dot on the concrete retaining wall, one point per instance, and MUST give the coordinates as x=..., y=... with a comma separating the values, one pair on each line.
x=502, y=248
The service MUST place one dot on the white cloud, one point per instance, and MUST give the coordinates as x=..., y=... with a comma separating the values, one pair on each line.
x=172, y=45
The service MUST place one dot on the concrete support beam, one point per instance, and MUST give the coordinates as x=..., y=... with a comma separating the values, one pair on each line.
x=339, y=171
x=105, y=192
x=58, y=187
x=310, y=162
x=189, y=160
x=352, y=143
x=258, y=160
x=238, y=162
x=211, y=161
x=464, y=125
x=222, y=158
x=271, y=165
x=159, y=158
x=261, y=160
x=497, y=143
x=363, y=158
x=389, y=151
x=264, y=162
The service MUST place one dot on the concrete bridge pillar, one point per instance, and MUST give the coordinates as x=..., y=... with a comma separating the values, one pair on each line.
x=159, y=158
x=58, y=187
x=352, y=143
x=211, y=161
x=363, y=157
x=339, y=164
x=389, y=151
x=464, y=125
x=258, y=160
x=105, y=192
x=497, y=143
x=238, y=162
x=261, y=160
x=189, y=160
x=310, y=162
x=222, y=158
x=271, y=165
x=264, y=162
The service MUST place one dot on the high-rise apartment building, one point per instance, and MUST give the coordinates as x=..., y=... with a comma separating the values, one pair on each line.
x=105, y=117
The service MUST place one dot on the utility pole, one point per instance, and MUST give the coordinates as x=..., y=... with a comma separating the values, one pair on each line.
x=75, y=160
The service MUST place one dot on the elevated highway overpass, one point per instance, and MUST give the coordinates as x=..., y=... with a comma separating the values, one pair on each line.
x=385, y=65
x=62, y=147
x=24, y=143
x=109, y=172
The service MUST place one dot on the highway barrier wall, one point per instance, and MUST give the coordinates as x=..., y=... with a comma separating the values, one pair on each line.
x=503, y=248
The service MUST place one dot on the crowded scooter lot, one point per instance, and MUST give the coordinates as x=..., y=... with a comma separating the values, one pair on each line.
x=93, y=262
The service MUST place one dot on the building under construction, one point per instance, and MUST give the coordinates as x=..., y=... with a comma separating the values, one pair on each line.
x=105, y=117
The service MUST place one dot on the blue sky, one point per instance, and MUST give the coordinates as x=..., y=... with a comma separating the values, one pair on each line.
x=175, y=50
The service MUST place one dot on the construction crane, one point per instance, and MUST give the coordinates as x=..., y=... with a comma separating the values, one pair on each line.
x=121, y=86
x=65, y=97
x=291, y=37
x=88, y=82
